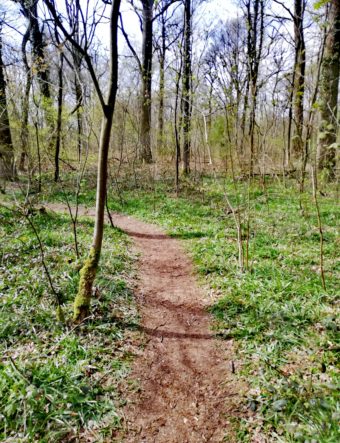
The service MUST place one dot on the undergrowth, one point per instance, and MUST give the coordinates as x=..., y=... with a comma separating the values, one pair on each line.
x=283, y=321
x=59, y=382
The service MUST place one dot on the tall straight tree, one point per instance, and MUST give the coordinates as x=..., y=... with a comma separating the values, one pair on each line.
x=89, y=269
x=145, y=136
x=40, y=67
x=329, y=89
x=162, y=50
x=255, y=13
x=7, y=170
x=162, y=44
x=145, y=67
x=25, y=102
x=73, y=17
x=186, y=87
x=299, y=74
x=29, y=9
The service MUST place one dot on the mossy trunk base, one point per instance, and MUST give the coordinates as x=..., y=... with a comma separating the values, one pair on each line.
x=81, y=307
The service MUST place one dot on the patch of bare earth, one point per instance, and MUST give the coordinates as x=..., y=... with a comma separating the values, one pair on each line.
x=187, y=391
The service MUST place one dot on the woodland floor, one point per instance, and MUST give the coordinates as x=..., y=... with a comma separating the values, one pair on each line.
x=262, y=369
x=187, y=390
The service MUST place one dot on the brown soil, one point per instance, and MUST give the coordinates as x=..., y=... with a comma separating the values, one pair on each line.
x=187, y=391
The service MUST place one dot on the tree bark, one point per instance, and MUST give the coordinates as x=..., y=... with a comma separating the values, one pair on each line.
x=7, y=170
x=330, y=70
x=29, y=9
x=161, y=84
x=146, y=154
x=88, y=272
x=186, y=92
x=25, y=103
x=77, y=61
x=38, y=47
x=299, y=76
x=59, y=118
x=255, y=25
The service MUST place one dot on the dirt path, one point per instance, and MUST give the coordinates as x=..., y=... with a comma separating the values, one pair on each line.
x=188, y=393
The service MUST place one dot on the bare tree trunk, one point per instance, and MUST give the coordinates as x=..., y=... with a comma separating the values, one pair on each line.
x=146, y=154
x=25, y=103
x=59, y=118
x=30, y=9
x=255, y=25
x=79, y=99
x=290, y=121
x=7, y=170
x=77, y=60
x=310, y=118
x=186, y=92
x=329, y=93
x=299, y=75
x=178, y=144
x=161, y=85
x=40, y=66
x=24, y=124
x=88, y=272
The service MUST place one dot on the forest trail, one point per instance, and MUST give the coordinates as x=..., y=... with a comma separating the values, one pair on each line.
x=187, y=390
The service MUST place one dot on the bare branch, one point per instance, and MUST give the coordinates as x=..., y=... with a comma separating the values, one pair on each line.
x=121, y=27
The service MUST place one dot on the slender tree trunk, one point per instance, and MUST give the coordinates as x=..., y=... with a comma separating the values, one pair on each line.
x=299, y=76
x=40, y=65
x=161, y=85
x=59, y=118
x=38, y=153
x=30, y=9
x=209, y=119
x=79, y=98
x=88, y=272
x=330, y=70
x=244, y=116
x=255, y=25
x=310, y=118
x=186, y=92
x=290, y=122
x=77, y=60
x=177, y=140
x=24, y=124
x=146, y=154
x=7, y=170
x=25, y=103
x=73, y=13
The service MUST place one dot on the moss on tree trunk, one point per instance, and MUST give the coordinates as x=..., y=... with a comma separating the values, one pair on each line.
x=81, y=307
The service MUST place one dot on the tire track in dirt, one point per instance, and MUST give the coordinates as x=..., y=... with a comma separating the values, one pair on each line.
x=187, y=391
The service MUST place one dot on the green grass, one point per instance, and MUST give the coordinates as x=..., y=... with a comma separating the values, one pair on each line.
x=284, y=323
x=57, y=381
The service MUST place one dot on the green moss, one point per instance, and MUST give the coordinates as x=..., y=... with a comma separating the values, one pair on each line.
x=87, y=275
x=60, y=314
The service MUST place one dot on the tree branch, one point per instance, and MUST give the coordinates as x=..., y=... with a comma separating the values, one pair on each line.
x=164, y=9
x=85, y=54
x=121, y=27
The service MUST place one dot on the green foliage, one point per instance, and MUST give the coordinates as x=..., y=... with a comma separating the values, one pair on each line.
x=58, y=382
x=320, y=4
